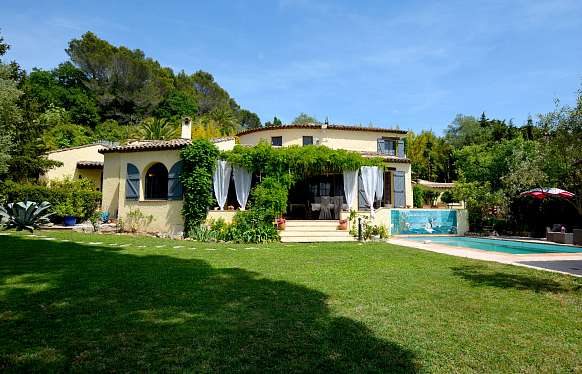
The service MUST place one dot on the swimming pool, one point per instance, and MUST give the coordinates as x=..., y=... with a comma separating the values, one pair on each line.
x=497, y=245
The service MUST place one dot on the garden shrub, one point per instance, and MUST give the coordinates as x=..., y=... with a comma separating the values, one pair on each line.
x=219, y=230
x=448, y=197
x=430, y=197
x=199, y=160
x=253, y=226
x=270, y=197
x=369, y=229
x=137, y=221
x=78, y=196
x=418, y=196
x=200, y=233
x=250, y=226
x=422, y=196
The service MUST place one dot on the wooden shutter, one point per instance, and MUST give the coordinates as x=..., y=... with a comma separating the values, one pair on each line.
x=399, y=189
x=175, y=189
x=381, y=146
x=401, y=148
x=132, y=183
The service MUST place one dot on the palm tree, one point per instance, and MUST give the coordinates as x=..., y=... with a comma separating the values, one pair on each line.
x=157, y=129
x=226, y=120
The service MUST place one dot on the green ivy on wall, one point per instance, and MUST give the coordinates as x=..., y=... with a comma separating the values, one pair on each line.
x=295, y=162
x=281, y=168
x=199, y=160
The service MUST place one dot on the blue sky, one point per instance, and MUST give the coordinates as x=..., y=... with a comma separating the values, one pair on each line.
x=415, y=64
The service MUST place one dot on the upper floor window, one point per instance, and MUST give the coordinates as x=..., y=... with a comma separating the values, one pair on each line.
x=387, y=146
x=277, y=141
x=308, y=140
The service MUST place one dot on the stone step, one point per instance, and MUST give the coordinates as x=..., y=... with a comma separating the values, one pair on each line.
x=313, y=223
x=335, y=233
x=315, y=239
x=312, y=228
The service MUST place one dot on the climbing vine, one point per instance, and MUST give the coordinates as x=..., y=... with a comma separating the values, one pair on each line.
x=199, y=161
x=281, y=168
x=295, y=162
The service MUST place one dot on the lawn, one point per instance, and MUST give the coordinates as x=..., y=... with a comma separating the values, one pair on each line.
x=118, y=303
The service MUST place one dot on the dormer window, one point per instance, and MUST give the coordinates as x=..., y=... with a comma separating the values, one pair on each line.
x=387, y=146
x=277, y=141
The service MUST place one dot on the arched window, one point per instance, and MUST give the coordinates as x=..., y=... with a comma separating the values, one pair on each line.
x=156, y=182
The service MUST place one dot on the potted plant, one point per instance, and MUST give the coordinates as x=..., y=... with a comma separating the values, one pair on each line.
x=343, y=224
x=68, y=211
x=281, y=223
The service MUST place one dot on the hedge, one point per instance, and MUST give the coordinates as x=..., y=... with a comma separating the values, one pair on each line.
x=54, y=193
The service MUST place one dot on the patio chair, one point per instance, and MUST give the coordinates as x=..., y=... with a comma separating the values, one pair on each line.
x=324, y=209
x=337, y=206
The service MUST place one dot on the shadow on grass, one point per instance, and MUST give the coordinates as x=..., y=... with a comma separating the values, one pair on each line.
x=485, y=276
x=68, y=307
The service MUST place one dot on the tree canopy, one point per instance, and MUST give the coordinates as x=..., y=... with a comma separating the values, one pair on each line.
x=104, y=92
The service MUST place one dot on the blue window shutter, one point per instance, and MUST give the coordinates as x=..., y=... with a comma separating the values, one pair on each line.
x=132, y=183
x=381, y=145
x=174, y=185
x=399, y=189
x=401, y=148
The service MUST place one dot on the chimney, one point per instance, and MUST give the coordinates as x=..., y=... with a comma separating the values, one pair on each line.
x=186, y=128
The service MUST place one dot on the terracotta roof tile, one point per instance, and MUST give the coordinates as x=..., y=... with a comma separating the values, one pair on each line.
x=90, y=164
x=318, y=126
x=158, y=145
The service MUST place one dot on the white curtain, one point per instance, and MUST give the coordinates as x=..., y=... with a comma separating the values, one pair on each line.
x=380, y=184
x=370, y=183
x=242, y=184
x=221, y=180
x=350, y=186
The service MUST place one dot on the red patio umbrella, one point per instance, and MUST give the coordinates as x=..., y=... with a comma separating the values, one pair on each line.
x=541, y=193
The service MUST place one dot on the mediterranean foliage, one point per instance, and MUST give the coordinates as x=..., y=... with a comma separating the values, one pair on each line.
x=199, y=161
x=25, y=215
x=103, y=92
x=74, y=197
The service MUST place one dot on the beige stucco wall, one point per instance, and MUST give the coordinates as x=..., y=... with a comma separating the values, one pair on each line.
x=332, y=138
x=167, y=213
x=382, y=216
x=69, y=157
x=225, y=145
x=226, y=215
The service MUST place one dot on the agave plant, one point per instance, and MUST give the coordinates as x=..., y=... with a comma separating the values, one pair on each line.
x=25, y=215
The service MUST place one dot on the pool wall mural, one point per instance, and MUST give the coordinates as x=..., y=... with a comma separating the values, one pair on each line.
x=420, y=221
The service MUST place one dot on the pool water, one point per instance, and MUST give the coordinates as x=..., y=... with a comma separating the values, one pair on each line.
x=497, y=245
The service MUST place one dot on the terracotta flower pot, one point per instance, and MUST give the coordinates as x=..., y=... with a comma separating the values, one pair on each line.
x=281, y=223
x=343, y=224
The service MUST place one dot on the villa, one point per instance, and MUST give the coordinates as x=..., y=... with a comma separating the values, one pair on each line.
x=78, y=162
x=144, y=175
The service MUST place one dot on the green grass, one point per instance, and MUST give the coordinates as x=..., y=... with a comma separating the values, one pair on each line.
x=66, y=306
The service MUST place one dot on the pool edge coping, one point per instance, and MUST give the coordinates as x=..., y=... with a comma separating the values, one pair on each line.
x=492, y=256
